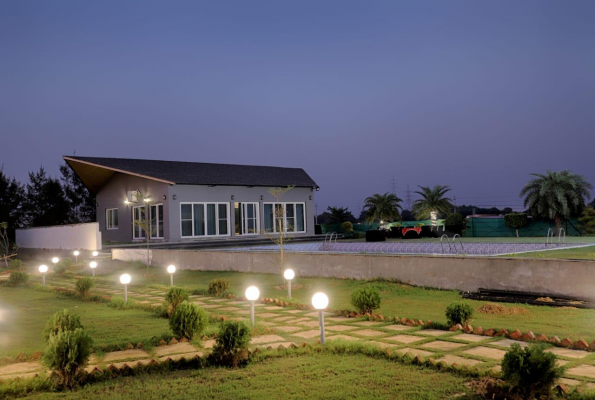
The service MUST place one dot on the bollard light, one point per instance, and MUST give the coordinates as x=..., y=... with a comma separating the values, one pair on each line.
x=55, y=260
x=252, y=294
x=125, y=280
x=289, y=275
x=171, y=269
x=76, y=256
x=95, y=253
x=43, y=269
x=93, y=265
x=320, y=302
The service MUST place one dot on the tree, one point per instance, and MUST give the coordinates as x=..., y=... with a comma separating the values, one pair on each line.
x=407, y=215
x=81, y=202
x=8, y=249
x=587, y=221
x=338, y=215
x=278, y=215
x=383, y=207
x=145, y=223
x=556, y=195
x=45, y=203
x=12, y=195
x=516, y=221
x=432, y=201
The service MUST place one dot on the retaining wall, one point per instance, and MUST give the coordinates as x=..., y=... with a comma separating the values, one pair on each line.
x=555, y=277
x=66, y=237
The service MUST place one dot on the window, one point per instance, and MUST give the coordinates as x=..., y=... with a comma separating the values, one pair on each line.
x=204, y=219
x=156, y=214
x=111, y=218
x=247, y=222
x=138, y=219
x=291, y=217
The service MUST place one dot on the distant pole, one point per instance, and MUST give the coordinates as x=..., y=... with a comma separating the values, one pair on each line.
x=316, y=214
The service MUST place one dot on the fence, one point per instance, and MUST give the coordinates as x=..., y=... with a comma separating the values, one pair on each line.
x=67, y=237
x=495, y=227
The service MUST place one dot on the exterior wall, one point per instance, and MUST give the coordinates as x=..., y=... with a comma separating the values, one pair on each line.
x=113, y=195
x=200, y=193
x=553, y=277
x=68, y=237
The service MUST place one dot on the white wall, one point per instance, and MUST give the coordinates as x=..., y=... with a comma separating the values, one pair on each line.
x=68, y=237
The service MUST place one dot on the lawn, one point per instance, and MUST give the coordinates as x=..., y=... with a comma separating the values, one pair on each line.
x=309, y=376
x=24, y=312
x=581, y=253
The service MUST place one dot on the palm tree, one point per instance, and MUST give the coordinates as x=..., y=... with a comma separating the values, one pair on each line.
x=339, y=214
x=382, y=207
x=556, y=195
x=432, y=200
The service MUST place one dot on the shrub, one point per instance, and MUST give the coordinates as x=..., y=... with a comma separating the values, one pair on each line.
x=17, y=278
x=15, y=264
x=358, y=235
x=84, y=285
x=347, y=227
x=188, y=320
x=60, y=268
x=67, y=354
x=531, y=370
x=366, y=299
x=117, y=302
x=458, y=312
x=218, y=287
x=587, y=221
x=516, y=221
x=454, y=219
x=174, y=297
x=61, y=321
x=231, y=346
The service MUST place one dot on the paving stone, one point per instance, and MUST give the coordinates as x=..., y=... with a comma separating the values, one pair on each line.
x=218, y=300
x=404, y=338
x=449, y=359
x=266, y=315
x=308, y=334
x=414, y=352
x=20, y=368
x=368, y=332
x=294, y=311
x=562, y=352
x=281, y=319
x=397, y=327
x=309, y=324
x=561, y=363
x=200, y=303
x=441, y=345
x=243, y=312
x=276, y=345
x=266, y=339
x=343, y=337
x=124, y=354
x=488, y=352
x=569, y=382
x=509, y=342
x=178, y=348
x=228, y=309
x=315, y=314
x=211, y=306
x=470, y=338
x=368, y=323
x=283, y=328
x=582, y=370
x=265, y=323
x=383, y=345
x=340, y=328
x=432, y=332
x=274, y=308
x=208, y=344
x=240, y=302
x=337, y=319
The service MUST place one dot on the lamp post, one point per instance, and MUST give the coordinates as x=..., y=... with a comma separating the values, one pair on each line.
x=252, y=294
x=55, y=260
x=95, y=253
x=76, y=256
x=320, y=302
x=125, y=280
x=171, y=269
x=289, y=275
x=43, y=269
x=93, y=265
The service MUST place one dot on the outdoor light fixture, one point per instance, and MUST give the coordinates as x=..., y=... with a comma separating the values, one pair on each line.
x=310, y=197
x=171, y=269
x=93, y=265
x=252, y=294
x=126, y=202
x=76, y=256
x=233, y=197
x=164, y=197
x=55, y=260
x=95, y=253
x=175, y=197
x=320, y=302
x=261, y=197
x=43, y=269
x=289, y=275
x=125, y=280
x=147, y=199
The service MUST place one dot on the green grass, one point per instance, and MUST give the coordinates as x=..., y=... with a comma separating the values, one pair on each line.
x=24, y=312
x=582, y=253
x=309, y=376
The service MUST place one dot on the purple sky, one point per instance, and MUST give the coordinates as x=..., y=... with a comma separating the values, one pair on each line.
x=472, y=94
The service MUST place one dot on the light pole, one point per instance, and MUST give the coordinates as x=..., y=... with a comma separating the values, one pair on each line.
x=55, y=260
x=95, y=253
x=93, y=265
x=320, y=302
x=43, y=269
x=76, y=256
x=252, y=294
x=171, y=269
x=125, y=280
x=289, y=275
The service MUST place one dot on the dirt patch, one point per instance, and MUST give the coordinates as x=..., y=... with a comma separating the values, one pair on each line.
x=293, y=287
x=499, y=309
x=545, y=299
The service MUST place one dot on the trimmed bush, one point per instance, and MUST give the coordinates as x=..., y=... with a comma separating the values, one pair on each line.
x=516, y=221
x=459, y=312
x=454, y=219
x=366, y=299
x=189, y=320
x=67, y=354
x=218, y=286
x=531, y=370
x=18, y=278
x=84, y=285
x=61, y=321
x=62, y=266
x=231, y=346
x=174, y=297
x=15, y=264
x=347, y=227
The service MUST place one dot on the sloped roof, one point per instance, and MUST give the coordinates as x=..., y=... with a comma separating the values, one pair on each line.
x=95, y=171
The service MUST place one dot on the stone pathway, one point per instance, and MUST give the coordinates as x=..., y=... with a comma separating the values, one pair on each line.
x=296, y=326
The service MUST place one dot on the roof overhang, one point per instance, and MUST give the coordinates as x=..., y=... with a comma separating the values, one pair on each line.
x=95, y=176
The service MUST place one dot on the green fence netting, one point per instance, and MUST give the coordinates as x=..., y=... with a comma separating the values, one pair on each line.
x=495, y=227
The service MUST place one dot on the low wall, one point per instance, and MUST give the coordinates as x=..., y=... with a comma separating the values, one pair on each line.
x=65, y=237
x=555, y=277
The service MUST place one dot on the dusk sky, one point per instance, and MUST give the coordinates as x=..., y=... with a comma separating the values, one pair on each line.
x=471, y=94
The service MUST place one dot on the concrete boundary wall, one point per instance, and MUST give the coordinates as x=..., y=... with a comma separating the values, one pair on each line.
x=555, y=277
x=67, y=237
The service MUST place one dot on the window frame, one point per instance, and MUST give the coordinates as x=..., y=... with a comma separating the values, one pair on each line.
x=205, y=214
x=142, y=232
x=156, y=205
x=108, y=226
x=256, y=218
x=283, y=204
